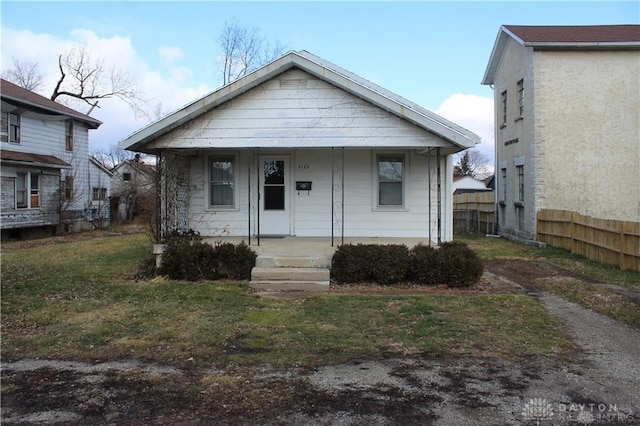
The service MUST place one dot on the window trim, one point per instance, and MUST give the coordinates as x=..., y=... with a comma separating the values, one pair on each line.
x=519, y=200
x=101, y=191
x=503, y=96
x=236, y=176
x=503, y=183
x=127, y=176
x=29, y=192
x=376, y=182
x=520, y=115
x=17, y=127
x=68, y=135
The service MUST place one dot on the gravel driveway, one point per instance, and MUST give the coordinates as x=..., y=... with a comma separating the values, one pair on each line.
x=602, y=387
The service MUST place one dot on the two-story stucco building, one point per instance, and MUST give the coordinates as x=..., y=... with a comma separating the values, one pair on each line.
x=48, y=180
x=567, y=103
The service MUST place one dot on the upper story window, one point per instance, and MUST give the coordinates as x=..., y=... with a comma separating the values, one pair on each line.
x=222, y=181
x=27, y=190
x=126, y=177
x=503, y=183
x=504, y=109
x=520, y=99
x=69, y=135
x=390, y=180
x=99, y=194
x=520, y=171
x=68, y=188
x=14, y=128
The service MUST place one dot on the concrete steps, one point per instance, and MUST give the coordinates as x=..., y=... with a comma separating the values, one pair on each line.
x=291, y=273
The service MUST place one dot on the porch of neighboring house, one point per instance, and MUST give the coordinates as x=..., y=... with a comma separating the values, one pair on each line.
x=300, y=263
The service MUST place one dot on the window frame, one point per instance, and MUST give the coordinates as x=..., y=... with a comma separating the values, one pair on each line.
x=68, y=188
x=68, y=135
x=101, y=193
x=126, y=177
x=520, y=85
x=29, y=192
x=376, y=178
x=520, y=180
x=11, y=126
x=503, y=97
x=233, y=183
x=503, y=183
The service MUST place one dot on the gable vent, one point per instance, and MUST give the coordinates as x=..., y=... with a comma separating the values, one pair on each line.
x=298, y=83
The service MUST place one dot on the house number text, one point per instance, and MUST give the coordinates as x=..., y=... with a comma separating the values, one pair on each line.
x=303, y=166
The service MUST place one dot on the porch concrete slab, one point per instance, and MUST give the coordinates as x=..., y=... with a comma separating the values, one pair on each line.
x=290, y=274
x=273, y=261
x=292, y=287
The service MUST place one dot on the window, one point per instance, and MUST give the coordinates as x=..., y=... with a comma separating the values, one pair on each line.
x=520, y=99
x=14, y=128
x=69, y=135
x=390, y=180
x=99, y=194
x=27, y=191
x=503, y=183
x=68, y=188
x=504, y=109
x=520, y=170
x=126, y=177
x=221, y=181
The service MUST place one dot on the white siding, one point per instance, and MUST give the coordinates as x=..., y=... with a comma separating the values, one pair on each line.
x=312, y=211
x=297, y=110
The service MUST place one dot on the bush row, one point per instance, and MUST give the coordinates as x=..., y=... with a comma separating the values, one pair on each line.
x=454, y=264
x=187, y=257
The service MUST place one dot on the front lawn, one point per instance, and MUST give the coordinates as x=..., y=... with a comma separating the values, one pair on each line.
x=77, y=301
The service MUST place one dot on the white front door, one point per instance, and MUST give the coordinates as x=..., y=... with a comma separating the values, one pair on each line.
x=274, y=195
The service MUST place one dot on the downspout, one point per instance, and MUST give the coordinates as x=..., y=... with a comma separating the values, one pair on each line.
x=158, y=196
x=429, y=192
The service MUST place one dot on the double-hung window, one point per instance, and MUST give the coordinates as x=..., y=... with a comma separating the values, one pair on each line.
x=27, y=190
x=222, y=181
x=69, y=135
x=14, y=128
x=520, y=99
x=390, y=180
x=99, y=194
x=504, y=109
x=520, y=170
x=503, y=184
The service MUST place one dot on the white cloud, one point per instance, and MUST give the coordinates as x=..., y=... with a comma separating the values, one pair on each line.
x=172, y=89
x=474, y=113
x=170, y=54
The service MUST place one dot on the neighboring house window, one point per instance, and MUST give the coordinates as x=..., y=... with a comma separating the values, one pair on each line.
x=126, y=177
x=99, y=194
x=27, y=191
x=221, y=181
x=520, y=99
x=69, y=135
x=390, y=180
x=14, y=128
x=68, y=188
x=520, y=170
x=503, y=183
x=504, y=109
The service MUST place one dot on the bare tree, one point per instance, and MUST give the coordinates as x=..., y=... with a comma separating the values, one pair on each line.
x=470, y=163
x=25, y=74
x=90, y=80
x=112, y=156
x=244, y=50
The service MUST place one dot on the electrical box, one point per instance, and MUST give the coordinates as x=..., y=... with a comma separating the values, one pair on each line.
x=303, y=186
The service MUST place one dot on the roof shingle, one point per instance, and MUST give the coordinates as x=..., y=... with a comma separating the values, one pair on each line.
x=576, y=34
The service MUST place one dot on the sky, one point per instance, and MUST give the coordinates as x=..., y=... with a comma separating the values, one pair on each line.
x=431, y=53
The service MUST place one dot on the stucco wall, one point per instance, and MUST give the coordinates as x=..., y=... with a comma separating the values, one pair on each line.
x=588, y=127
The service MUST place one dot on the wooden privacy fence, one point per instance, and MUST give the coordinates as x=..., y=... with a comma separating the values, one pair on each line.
x=474, y=212
x=607, y=241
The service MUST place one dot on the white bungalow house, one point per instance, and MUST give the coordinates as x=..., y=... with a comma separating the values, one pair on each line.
x=301, y=147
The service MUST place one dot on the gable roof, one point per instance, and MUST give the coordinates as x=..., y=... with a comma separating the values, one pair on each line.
x=323, y=70
x=146, y=169
x=581, y=37
x=100, y=166
x=20, y=97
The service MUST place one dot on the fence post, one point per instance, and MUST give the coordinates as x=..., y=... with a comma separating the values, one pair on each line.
x=574, y=219
x=622, y=229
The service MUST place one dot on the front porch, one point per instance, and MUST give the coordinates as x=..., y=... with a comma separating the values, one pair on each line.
x=299, y=263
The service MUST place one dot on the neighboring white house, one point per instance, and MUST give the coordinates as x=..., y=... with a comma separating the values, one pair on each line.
x=100, y=187
x=132, y=182
x=45, y=165
x=567, y=123
x=302, y=147
x=462, y=184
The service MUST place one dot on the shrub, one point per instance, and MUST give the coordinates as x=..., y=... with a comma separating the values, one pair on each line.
x=382, y=264
x=187, y=257
x=458, y=265
x=423, y=265
x=234, y=261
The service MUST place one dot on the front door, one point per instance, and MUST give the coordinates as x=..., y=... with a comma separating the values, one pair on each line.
x=274, y=195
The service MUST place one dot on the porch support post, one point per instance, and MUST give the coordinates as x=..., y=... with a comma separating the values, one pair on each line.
x=249, y=198
x=439, y=182
x=342, y=202
x=258, y=197
x=333, y=170
x=158, y=197
x=429, y=192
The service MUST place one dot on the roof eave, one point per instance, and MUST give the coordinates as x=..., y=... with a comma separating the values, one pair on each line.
x=36, y=164
x=94, y=123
